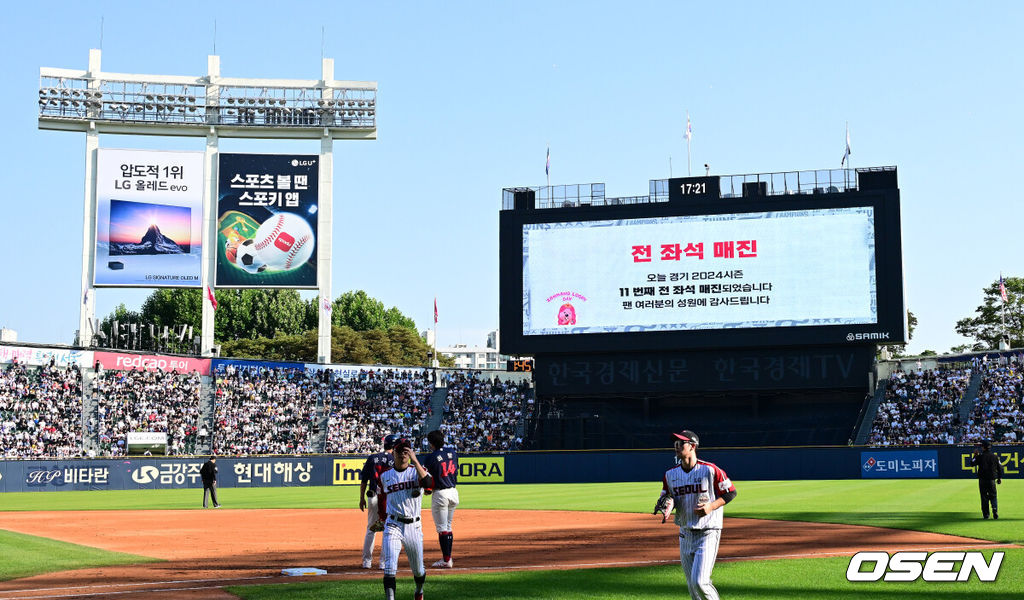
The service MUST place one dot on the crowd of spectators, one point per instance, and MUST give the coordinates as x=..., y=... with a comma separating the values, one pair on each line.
x=997, y=415
x=140, y=401
x=40, y=411
x=266, y=410
x=920, y=407
x=484, y=415
x=375, y=403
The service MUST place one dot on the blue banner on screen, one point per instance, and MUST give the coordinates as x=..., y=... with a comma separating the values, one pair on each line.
x=267, y=220
x=899, y=464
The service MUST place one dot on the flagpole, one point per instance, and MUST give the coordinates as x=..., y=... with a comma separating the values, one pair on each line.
x=670, y=167
x=689, y=169
x=1002, y=286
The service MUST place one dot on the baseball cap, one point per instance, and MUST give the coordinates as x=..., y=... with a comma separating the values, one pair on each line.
x=389, y=440
x=986, y=444
x=402, y=442
x=687, y=436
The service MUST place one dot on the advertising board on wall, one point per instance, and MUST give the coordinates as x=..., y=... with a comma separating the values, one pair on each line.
x=149, y=215
x=121, y=361
x=28, y=355
x=899, y=464
x=267, y=220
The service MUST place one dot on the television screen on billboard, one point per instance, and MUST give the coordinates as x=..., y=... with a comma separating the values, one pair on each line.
x=779, y=272
x=149, y=210
x=267, y=220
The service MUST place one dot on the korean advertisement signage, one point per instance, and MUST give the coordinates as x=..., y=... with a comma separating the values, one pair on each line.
x=267, y=220
x=149, y=214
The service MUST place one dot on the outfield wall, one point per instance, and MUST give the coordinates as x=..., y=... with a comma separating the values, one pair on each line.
x=603, y=466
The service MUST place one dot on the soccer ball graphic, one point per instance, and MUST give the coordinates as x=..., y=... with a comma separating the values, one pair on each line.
x=248, y=258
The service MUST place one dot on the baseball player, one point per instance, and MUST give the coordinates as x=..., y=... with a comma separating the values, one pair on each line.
x=698, y=490
x=443, y=465
x=369, y=486
x=399, y=507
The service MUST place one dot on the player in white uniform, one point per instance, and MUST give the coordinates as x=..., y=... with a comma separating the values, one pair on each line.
x=698, y=489
x=399, y=508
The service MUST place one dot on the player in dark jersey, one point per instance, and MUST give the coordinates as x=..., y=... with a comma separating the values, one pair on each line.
x=369, y=488
x=443, y=466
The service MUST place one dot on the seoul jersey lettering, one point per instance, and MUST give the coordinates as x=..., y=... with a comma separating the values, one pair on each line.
x=402, y=492
x=703, y=484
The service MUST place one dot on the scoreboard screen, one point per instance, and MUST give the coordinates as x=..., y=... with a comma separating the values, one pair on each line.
x=788, y=270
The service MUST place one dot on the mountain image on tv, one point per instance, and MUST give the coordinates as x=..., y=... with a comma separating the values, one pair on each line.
x=144, y=228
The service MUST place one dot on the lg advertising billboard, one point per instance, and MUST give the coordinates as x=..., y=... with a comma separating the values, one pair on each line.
x=267, y=220
x=149, y=214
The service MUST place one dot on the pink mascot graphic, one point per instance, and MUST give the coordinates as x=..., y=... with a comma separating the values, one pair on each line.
x=567, y=315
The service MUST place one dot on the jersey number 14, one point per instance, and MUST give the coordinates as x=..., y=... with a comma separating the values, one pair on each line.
x=448, y=468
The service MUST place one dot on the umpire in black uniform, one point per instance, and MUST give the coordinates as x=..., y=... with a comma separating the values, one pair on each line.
x=990, y=472
x=209, y=475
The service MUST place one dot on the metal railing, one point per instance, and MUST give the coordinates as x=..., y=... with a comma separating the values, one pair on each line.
x=819, y=181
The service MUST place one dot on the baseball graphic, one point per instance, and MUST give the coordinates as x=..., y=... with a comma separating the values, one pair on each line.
x=284, y=242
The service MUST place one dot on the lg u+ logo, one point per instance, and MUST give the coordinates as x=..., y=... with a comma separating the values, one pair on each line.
x=911, y=566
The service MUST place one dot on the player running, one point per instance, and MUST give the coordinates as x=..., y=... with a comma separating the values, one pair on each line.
x=443, y=465
x=369, y=487
x=698, y=489
x=399, y=507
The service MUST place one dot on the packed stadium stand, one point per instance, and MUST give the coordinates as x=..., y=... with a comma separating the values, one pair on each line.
x=265, y=411
x=485, y=415
x=368, y=407
x=997, y=414
x=51, y=411
x=40, y=411
x=921, y=407
x=136, y=401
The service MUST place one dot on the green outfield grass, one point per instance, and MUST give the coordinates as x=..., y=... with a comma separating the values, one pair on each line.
x=940, y=506
x=813, y=579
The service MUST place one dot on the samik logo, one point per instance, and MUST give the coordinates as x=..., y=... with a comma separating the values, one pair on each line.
x=911, y=566
x=854, y=337
x=147, y=474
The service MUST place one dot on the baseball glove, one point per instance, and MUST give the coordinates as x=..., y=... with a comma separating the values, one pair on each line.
x=377, y=526
x=664, y=502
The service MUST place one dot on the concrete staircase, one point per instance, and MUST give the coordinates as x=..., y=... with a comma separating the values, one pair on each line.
x=318, y=439
x=868, y=416
x=968, y=401
x=438, y=400
x=90, y=438
x=207, y=415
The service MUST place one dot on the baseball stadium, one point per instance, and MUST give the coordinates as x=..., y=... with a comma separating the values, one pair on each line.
x=702, y=389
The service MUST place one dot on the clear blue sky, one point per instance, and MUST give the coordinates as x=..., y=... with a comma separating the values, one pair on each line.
x=472, y=93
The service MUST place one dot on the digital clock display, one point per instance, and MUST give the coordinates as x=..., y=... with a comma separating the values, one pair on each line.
x=521, y=366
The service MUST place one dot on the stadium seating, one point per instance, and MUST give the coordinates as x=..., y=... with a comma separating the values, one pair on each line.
x=40, y=412
x=484, y=415
x=920, y=407
x=373, y=404
x=265, y=411
x=130, y=401
x=997, y=415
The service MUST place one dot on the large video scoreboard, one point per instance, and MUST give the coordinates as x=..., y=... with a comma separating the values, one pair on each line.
x=704, y=272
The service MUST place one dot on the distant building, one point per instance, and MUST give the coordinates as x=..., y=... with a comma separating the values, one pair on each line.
x=8, y=335
x=473, y=357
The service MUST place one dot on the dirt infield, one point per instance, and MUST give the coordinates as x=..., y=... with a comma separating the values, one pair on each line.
x=204, y=551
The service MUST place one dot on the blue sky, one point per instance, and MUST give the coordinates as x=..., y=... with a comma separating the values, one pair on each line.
x=471, y=94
